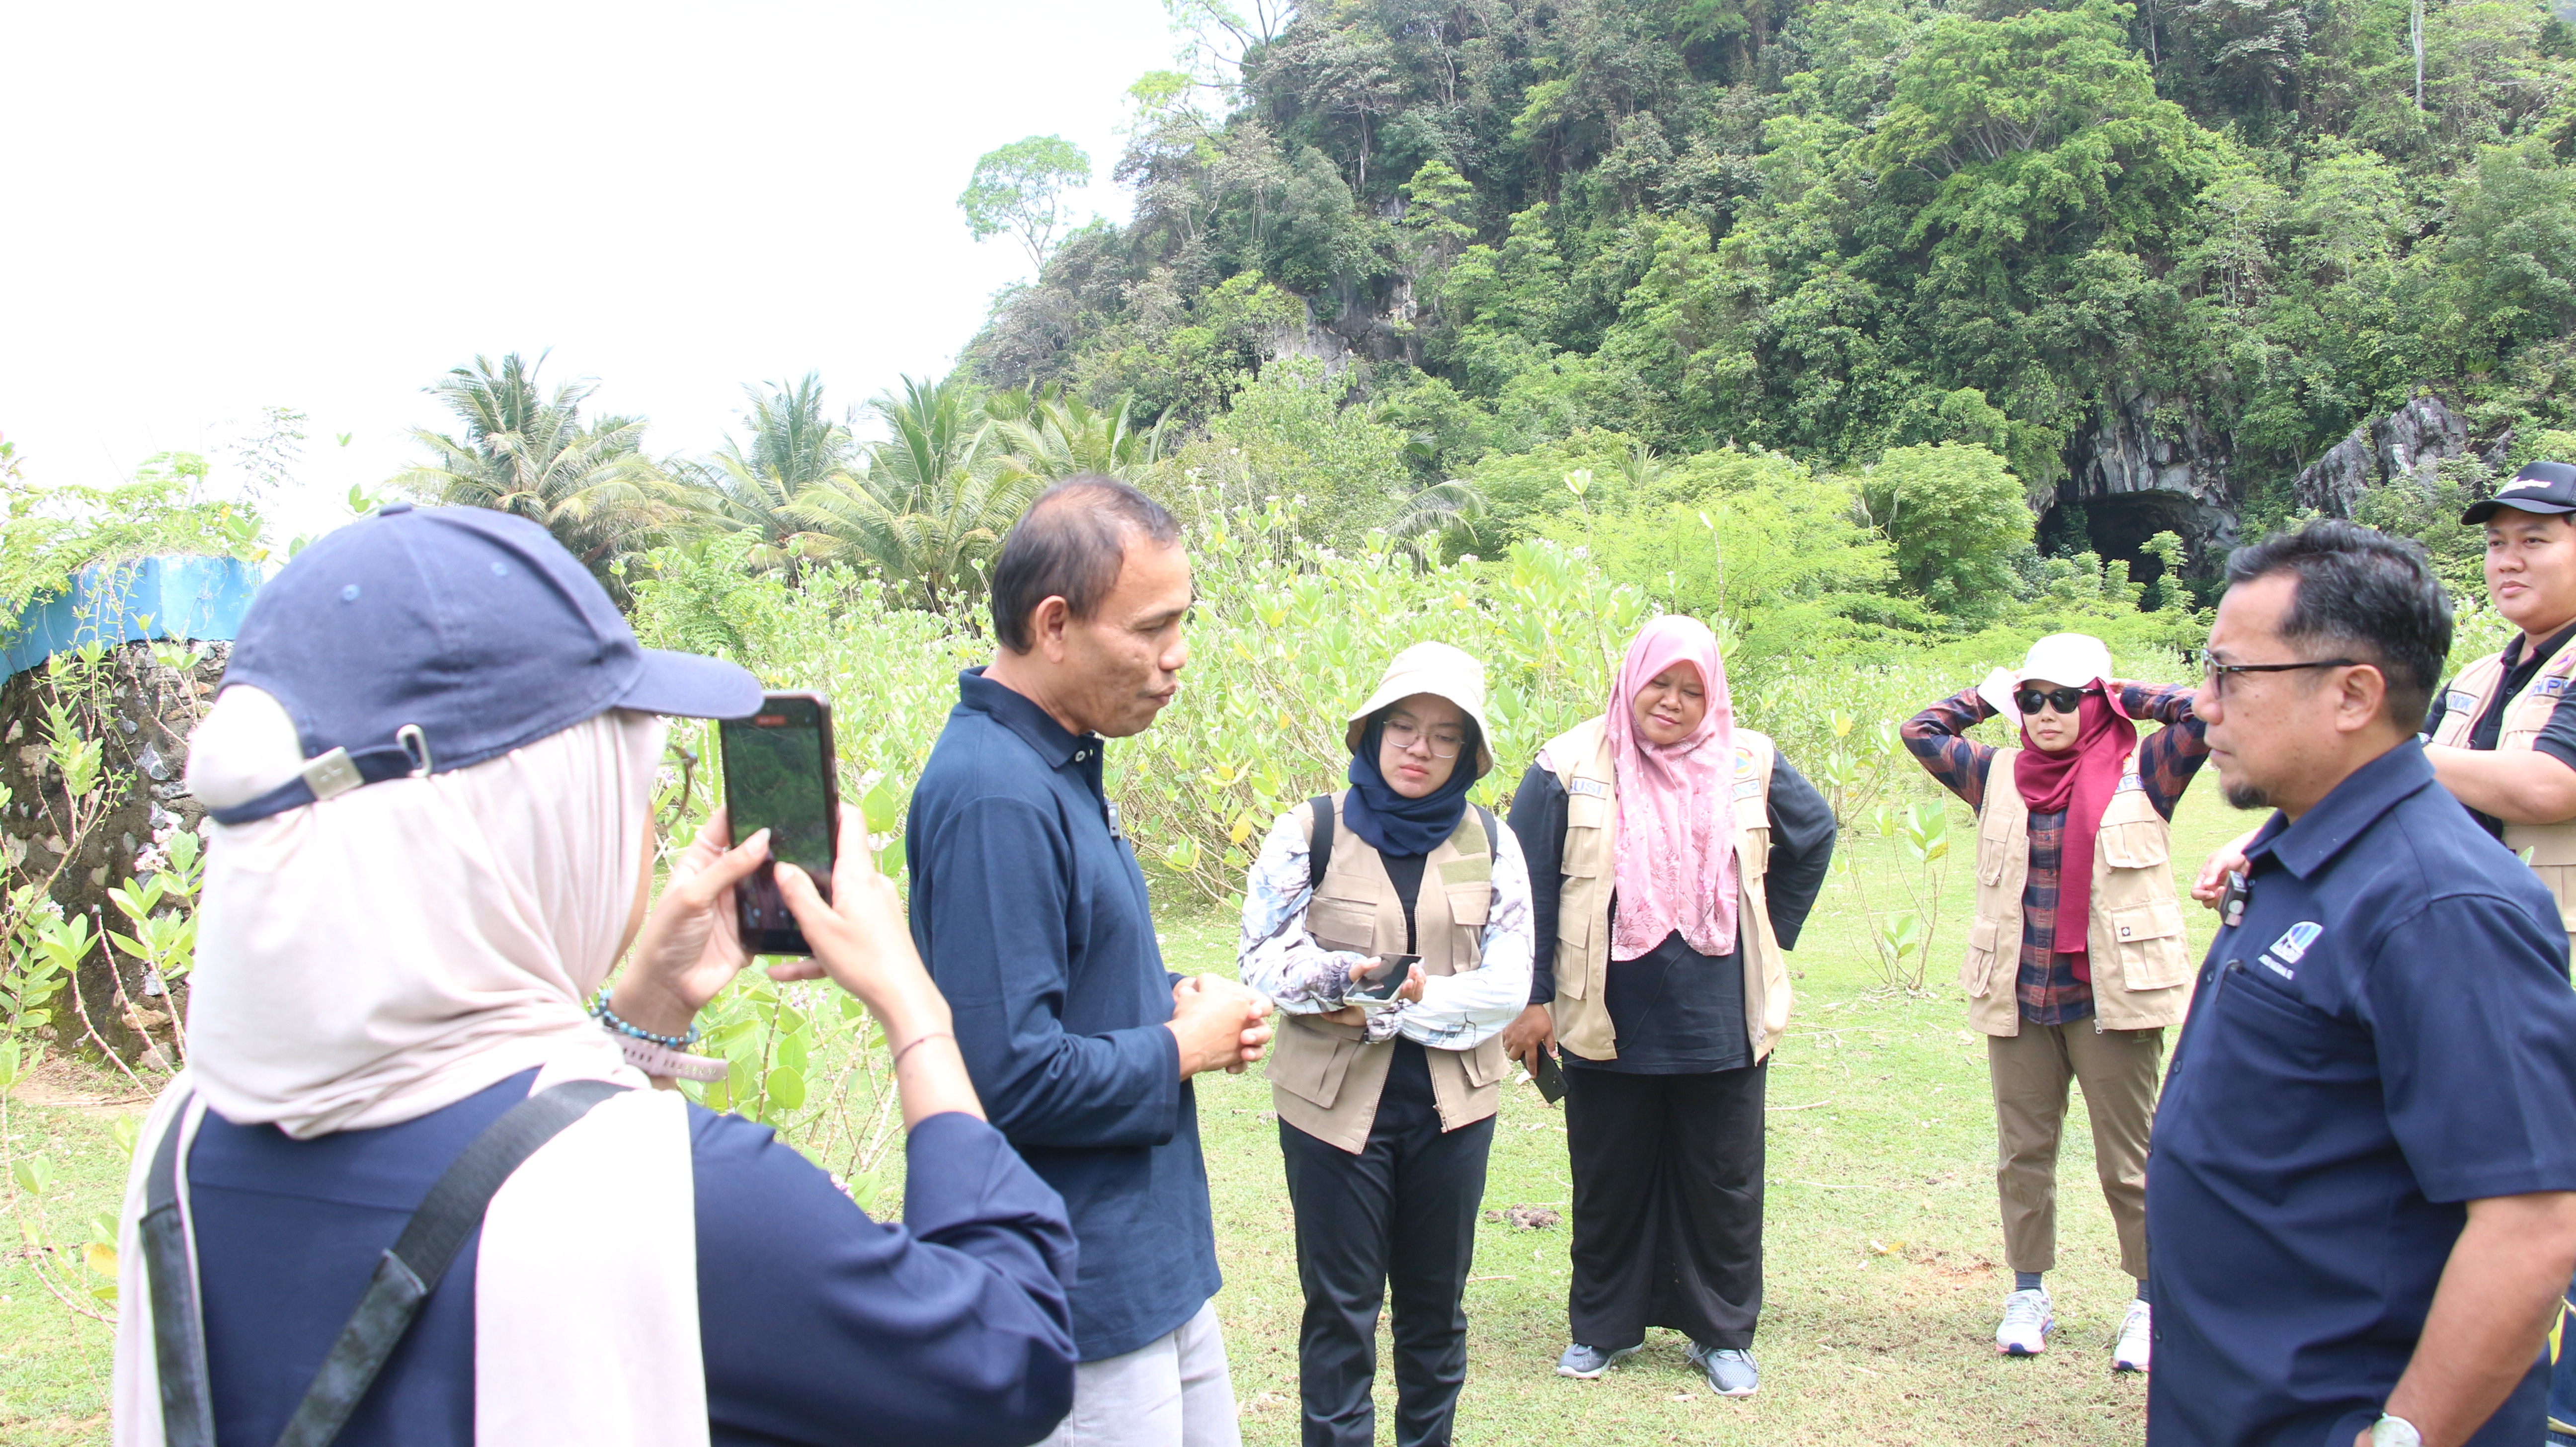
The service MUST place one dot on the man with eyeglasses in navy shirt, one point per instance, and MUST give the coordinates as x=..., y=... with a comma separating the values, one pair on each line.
x=2362, y=1190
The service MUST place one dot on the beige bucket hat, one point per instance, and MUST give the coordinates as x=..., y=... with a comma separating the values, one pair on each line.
x=1452, y=673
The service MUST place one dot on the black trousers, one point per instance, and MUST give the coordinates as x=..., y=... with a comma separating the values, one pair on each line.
x=1667, y=1205
x=1401, y=1213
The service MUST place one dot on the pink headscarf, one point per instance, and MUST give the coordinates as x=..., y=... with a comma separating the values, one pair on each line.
x=1675, y=852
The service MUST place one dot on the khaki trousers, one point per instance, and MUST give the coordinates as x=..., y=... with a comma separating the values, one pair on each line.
x=2120, y=1070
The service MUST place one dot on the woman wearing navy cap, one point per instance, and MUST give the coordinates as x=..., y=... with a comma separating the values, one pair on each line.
x=391, y=960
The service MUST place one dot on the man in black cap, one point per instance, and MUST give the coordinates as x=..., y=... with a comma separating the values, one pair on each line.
x=2503, y=744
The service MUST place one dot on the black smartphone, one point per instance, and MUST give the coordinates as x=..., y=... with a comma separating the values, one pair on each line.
x=779, y=776
x=1549, y=1077
x=1381, y=982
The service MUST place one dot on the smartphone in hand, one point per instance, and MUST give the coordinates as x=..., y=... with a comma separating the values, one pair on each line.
x=1549, y=1078
x=1380, y=982
x=779, y=776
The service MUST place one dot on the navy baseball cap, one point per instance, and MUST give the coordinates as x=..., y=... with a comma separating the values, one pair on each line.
x=2541, y=487
x=421, y=640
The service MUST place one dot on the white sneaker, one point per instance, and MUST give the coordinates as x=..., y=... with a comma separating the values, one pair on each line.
x=2137, y=1338
x=2027, y=1323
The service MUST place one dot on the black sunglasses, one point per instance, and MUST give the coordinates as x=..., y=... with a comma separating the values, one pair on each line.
x=2064, y=700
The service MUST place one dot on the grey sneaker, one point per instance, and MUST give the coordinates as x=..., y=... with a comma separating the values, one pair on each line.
x=2026, y=1324
x=1731, y=1372
x=1588, y=1362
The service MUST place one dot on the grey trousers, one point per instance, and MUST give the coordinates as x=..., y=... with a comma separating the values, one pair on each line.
x=2120, y=1070
x=1173, y=1391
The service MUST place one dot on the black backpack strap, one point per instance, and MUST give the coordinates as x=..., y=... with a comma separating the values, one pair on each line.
x=1493, y=837
x=178, y=1333
x=405, y=1275
x=1319, y=840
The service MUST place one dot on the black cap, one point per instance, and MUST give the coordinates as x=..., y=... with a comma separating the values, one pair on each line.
x=427, y=639
x=2541, y=487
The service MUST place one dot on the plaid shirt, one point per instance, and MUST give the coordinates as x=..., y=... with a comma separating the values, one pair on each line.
x=2167, y=758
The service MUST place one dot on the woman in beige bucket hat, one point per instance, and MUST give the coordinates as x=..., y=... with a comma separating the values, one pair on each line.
x=1386, y=1106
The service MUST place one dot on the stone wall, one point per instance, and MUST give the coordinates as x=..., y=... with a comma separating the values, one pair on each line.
x=142, y=710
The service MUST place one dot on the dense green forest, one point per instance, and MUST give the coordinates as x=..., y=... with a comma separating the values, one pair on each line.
x=2198, y=240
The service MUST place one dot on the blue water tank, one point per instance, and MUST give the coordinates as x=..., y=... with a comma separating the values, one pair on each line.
x=182, y=597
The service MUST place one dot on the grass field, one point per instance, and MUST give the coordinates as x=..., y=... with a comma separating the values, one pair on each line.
x=1884, y=1259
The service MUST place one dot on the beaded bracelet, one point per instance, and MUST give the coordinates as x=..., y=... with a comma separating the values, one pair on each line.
x=599, y=1010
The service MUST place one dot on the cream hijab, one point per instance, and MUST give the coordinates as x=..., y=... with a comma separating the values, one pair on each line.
x=371, y=958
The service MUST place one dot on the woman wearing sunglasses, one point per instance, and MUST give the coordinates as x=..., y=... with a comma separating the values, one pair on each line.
x=2076, y=961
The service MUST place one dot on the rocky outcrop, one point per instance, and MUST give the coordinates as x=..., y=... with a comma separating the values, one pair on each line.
x=2151, y=465
x=2406, y=443
x=140, y=702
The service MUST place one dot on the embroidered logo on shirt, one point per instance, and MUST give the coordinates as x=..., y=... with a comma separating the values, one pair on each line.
x=2551, y=687
x=1593, y=787
x=2291, y=947
x=2130, y=782
x=2457, y=701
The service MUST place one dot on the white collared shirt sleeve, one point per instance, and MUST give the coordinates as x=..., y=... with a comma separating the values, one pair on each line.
x=1276, y=955
x=1464, y=1010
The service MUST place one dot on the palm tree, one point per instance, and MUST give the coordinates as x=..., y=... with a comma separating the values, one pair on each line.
x=794, y=447
x=1050, y=436
x=530, y=453
x=1438, y=520
x=927, y=506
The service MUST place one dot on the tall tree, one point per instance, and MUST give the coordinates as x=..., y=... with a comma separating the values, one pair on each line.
x=927, y=508
x=527, y=451
x=751, y=487
x=1019, y=188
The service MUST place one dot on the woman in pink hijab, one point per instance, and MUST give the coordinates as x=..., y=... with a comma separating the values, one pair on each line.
x=1673, y=857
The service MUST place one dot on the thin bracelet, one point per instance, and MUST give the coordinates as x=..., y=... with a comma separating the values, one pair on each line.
x=916, y=1041
x=663, y=1061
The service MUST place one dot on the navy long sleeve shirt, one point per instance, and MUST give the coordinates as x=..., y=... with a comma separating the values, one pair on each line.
x=815, y=1324
x=1031, y=911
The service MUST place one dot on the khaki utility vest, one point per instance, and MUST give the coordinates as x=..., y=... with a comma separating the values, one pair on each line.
x=2552, y=846
x=1581, y=1011
x=2141, y=963
x=1325, y=1079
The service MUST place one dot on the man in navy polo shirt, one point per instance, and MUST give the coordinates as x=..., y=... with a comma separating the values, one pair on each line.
x=2362, y=1191
x=1028, y=906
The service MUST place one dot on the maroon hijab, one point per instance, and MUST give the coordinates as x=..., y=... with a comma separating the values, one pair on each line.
x=2079, y=781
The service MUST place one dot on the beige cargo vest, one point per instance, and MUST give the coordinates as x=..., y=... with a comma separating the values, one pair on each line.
x=1581, y=1013
x=2552, y=846
x=1324, y=1079
x=2141, y=963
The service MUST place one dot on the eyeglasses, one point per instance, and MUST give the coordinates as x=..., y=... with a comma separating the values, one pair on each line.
x=2214, y=673
x=2064, y=700
x=1445, y=743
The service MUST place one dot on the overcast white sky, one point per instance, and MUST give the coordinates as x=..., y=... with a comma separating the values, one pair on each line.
x=206, y=209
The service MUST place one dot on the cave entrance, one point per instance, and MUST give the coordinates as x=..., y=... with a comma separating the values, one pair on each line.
x=2118, y=526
